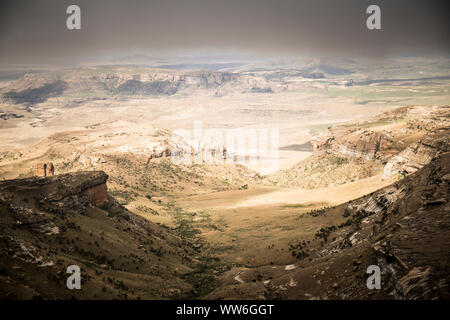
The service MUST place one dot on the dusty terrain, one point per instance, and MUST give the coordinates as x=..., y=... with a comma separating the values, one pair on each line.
x=359, y=169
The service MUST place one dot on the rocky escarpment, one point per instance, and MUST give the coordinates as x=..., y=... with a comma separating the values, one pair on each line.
x=135, y=87
x=404, y=229
x=418, y=154
x=35, y=93
x=50, y=223
x=37, y=88
x=396, y=142
x=385, y=135
x=31, y=200
x=163, y=82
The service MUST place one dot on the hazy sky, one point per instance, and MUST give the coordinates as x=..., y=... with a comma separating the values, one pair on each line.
x=34, y=32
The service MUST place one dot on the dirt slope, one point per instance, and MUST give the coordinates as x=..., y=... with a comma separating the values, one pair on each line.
x=402, y=228
x=49, y=223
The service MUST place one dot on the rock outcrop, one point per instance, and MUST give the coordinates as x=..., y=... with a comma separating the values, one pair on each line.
x=361, y=142
x=418, y=154
x=406, y=226
x=385, y=135
x=50, y=223
x=396, y=142
x=403, y=229
x=66, y=193
x=33, y=89
x=413, y=240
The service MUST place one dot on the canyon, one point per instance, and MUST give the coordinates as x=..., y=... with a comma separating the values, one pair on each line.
x=88, y=176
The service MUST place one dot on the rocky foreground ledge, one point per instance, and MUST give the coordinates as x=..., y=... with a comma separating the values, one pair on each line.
x=50, y=223
x=65, y=193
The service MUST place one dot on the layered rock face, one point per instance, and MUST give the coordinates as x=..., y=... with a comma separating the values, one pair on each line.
x=359, y=142
x=50, y=223
x=412, y=238
x=404, y=139
x=397, y=142
x=97, y=194
x=66, y=193
x=166, y=78
x=368, y=145
x=406, y=226
x=34, y=201
x=164, y=82
x=419, y=154
x=33, y=89
x=403, y=229
x=84, y=185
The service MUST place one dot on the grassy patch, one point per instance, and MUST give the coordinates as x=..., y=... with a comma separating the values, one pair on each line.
x=304, y=205
x=203, y=277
